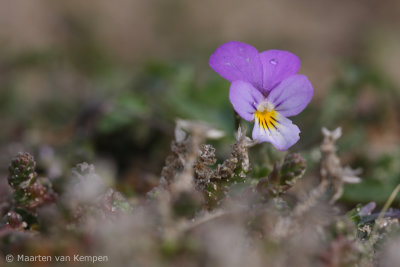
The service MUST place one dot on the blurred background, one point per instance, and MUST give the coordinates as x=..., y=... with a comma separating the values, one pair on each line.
x=103, y=81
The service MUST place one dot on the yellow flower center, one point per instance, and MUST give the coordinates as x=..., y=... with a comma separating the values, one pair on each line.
x=267, y=118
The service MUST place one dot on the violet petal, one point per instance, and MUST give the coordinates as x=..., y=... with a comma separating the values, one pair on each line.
x=277, y=65
x=244, y=98
x=237, y=61
x=292, y=95
x=282, y=137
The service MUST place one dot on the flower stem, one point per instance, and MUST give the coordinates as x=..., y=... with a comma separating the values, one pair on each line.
x=237, y=120
x=387, y=205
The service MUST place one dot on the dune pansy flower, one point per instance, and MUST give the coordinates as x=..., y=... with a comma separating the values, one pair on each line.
x=266, y=88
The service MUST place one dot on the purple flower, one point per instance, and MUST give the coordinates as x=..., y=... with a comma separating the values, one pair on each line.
x=264, y=88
